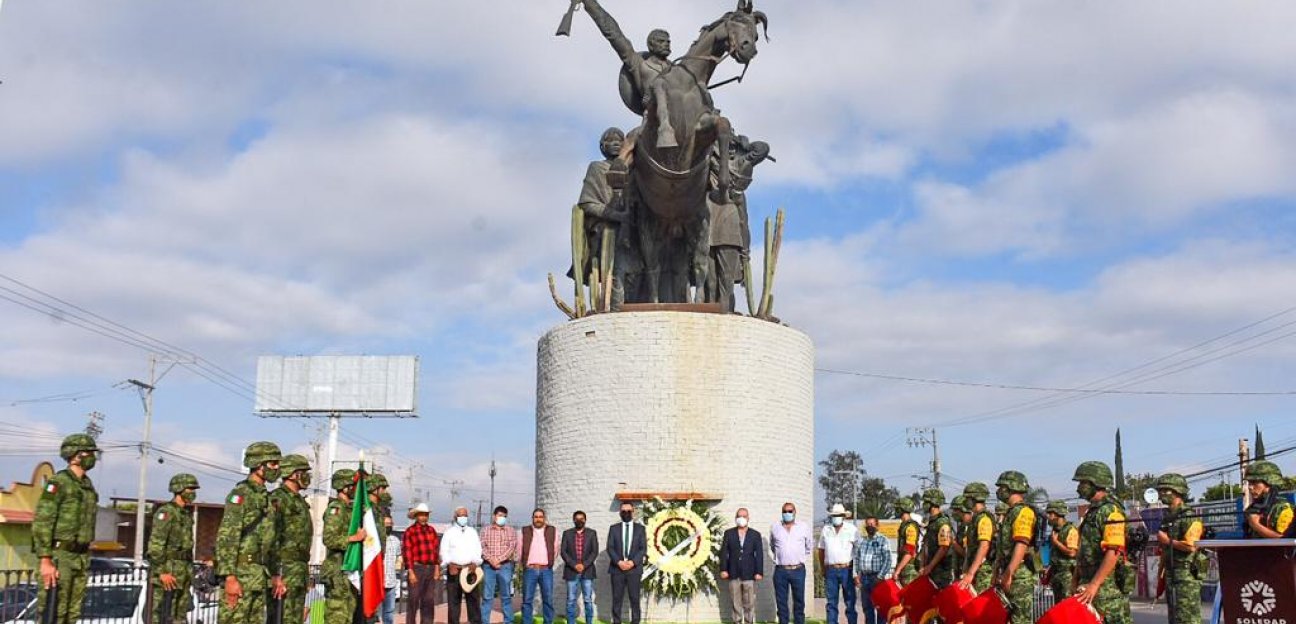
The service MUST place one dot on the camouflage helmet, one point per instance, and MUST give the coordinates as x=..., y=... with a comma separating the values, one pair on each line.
x=377, y=480
x=343, y=478
x=904, y=505
x=258, y=453
x=1174, y=482
x=1057, y=507
x=1264, y=471
x=933, y=498
x=182, y=482
x=77, y=443
x=292, y=463
x=1095, y=472
x=960, y=503
x=1013, y=481
x=976, y=492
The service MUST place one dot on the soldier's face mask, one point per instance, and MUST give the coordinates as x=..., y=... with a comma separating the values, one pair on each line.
x=1166, y=497
x=1086, y=490
x=1003, y=495
x=385, y=499
x=304, y=479
x=270, y=471
x=87, y=460
x=189, y=496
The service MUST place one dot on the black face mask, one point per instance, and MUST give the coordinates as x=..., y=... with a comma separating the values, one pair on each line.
x=627, y=516
x=871, y=531
x=580, y=524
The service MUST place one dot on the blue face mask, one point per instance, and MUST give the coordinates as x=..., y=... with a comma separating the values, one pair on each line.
x=788, y=516
x=501, y=520
x=836, y=521
x=461, y=521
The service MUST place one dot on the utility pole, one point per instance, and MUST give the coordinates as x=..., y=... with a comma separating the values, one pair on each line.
x=1243, y=455
x=146, y=395
x=94, y=424
x=926, y=436
x=454, y=490
x=410, y=469
x=492, y=476
x=479, y=502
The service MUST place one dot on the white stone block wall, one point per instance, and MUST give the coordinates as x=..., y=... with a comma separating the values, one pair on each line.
x=675, y=402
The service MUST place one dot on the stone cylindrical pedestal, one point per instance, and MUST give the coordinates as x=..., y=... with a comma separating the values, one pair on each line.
x=672, y=402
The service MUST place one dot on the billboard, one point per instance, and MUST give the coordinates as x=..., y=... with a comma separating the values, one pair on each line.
x=336, y=384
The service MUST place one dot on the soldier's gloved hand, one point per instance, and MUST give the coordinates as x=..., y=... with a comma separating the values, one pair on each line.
x=49, y=573
x=233, y=591
x=168, y=581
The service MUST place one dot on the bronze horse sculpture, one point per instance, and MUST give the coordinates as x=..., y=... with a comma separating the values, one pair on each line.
x=669, y=154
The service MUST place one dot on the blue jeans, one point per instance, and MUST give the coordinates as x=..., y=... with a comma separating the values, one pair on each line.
x=793, y=580
x=389, y=605
x=500, y=580
x=867, y=583
x=530, y=579
x=575, y=589
x=838, y=580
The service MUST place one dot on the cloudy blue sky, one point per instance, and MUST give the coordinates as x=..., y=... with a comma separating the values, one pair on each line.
x=1028, y=193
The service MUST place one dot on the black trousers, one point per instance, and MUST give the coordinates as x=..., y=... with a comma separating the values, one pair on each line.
x=455, y=596
x=625, y=583
x=422, y=595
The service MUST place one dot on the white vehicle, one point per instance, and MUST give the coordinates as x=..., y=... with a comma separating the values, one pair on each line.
x=121, y=598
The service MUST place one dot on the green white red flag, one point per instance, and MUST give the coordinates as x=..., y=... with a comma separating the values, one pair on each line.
x=363, y=561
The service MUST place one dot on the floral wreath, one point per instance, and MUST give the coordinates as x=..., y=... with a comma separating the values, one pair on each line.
x=683, y=548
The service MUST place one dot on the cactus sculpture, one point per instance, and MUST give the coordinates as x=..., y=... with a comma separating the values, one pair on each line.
x=578, y=258
x=773, y=243
x=562, y=305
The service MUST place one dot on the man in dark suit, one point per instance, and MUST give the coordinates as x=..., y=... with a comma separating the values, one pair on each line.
x=579, y=551
x=627, y=548
x=742, y=562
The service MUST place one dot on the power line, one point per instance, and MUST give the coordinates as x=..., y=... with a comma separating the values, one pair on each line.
x=1007, y=386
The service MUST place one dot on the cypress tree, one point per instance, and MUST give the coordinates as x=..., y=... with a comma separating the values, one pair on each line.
x=1120, y=465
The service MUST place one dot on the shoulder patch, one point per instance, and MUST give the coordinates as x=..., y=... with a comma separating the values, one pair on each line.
x=235, y=499
x=162, y=515
x=333, y=511
x=51, y=487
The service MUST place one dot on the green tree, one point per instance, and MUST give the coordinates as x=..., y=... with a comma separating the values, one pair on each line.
x=1259, y=445
x=840, y=476
x=844, y=480
x=1222, y=491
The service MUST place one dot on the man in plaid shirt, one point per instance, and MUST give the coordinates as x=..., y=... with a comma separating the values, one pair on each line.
x=872, y=565
x=421, y=547
x=499, y=545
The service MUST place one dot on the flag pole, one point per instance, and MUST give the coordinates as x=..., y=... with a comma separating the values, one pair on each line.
x=362, y=499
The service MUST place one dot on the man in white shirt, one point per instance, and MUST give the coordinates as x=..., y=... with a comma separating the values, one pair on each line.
x=836, y=554
x=461, y=548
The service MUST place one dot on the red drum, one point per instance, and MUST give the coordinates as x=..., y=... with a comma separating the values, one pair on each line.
x=1070, y=611
x=950, y=601
x=988, y=608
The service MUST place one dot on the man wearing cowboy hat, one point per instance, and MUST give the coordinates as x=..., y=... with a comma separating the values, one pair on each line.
x=836, y=555
x=461, y=555
x=421, y=546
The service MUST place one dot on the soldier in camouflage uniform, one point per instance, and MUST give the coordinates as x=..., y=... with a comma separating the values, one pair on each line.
x=340, y=596
x=1270, y=515
x=907, y=538
x=1015, y=555
x=978, y=573
x=64, y=527
x=1064, y=543
x=937, y=543
x=293, y=532
x=245, y=554
x=379, y=505
x=1180, y=530
x=959, y=518
x=170, y=552
x=1102, y=571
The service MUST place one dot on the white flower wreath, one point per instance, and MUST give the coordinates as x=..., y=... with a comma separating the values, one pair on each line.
x=683, y=548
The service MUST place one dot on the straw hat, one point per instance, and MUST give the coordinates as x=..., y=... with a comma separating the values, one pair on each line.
x=466, y=585
x=420, y=508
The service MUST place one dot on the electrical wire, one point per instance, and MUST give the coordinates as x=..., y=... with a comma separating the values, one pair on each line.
x=1006, y=386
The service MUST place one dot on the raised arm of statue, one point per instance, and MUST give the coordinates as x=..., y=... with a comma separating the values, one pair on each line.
x=611, y=31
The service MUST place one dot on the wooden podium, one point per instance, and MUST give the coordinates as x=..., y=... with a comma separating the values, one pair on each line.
x=1257, y=580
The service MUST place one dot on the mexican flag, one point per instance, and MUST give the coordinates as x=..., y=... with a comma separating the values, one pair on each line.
x=363, y=561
